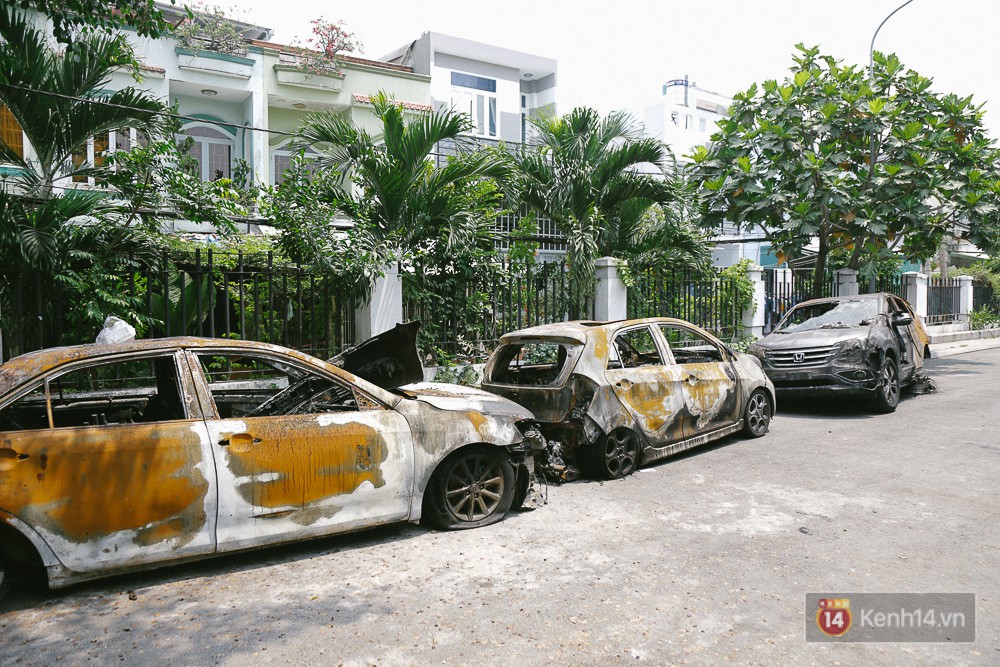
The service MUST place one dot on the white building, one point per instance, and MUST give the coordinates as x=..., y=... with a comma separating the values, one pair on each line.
x=499, y=88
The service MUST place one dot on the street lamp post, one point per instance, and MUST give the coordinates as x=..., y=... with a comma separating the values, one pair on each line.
x=871, y=80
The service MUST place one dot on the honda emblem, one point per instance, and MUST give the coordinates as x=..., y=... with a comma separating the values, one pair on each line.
x=798, y=357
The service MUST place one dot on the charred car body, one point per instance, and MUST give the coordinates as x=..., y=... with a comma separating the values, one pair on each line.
x=129, y=456
x=615, y=395
x=869, y=345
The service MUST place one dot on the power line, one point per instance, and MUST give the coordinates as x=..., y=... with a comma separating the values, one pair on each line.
x=165, y=114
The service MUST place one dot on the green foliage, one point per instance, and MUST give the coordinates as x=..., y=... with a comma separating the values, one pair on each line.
x=208, y=28
x=586, y=179
x=984, y=317
x=177, y=302
x=142, y=16
x=55, y=97
x=795, y=161
x=161, y=179
x=467, y=376
x=737, y=290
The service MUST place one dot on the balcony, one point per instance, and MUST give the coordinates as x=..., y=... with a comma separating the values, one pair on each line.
x=210, y=62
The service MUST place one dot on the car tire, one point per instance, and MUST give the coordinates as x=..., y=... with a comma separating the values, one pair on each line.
x=757, y=414
x=616, y=455
x=472, y=487
x=886, y=396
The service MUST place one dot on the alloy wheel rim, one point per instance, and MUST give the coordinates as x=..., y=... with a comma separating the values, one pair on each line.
x=758, y=413
x=889, y=386
x=474, y=488
x=620, y=454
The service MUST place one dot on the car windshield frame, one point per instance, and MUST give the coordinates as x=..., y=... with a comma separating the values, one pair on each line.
x=830, y=315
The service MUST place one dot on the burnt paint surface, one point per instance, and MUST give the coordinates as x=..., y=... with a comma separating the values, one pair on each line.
x=141, y=483
x=656, y=401
x=298, y=462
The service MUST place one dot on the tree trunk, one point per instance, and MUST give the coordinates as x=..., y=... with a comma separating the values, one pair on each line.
x=819, y=272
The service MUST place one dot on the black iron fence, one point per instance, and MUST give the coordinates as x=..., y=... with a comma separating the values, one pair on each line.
x=711, y=302
x=198, y=294
x=943, y=300
x=983, y=295
x=468, y=318
x=783, y=288
x=890, y=284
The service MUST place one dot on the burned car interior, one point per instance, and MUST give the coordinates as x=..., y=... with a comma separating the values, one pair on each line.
x=134, y=391
x=530, y=363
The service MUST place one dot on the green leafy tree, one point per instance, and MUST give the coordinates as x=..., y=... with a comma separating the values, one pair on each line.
x=53, y=236
x=58, y=100
x=794, y=160
x=67, y=16
x=599, y=180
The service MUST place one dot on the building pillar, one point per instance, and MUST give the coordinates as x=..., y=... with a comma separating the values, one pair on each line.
x=965, y=304
x=385, y=308
x=754, y=317
x=847, y=282
x=915, y=289
x=611, y=299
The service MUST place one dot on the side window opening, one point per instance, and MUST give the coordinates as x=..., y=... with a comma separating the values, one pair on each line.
x=530, y=363
x=251, y=386
x=690, y=347
x=634, y=348
x=129, y=391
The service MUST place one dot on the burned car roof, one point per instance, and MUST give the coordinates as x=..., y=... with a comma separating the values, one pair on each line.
x=580, y=331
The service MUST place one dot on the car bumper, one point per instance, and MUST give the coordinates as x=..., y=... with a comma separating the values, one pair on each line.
x=832, y=379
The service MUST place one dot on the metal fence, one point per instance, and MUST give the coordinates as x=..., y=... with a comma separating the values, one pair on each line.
x=199, y=294
x=469, y=319
x=983, y=295
x=943, y=300
x=890, y=284
x=710, y=302
x=784, y=288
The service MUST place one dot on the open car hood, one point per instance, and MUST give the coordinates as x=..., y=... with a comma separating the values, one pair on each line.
x=388, y=360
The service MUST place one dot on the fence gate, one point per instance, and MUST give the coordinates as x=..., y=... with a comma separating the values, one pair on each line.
x=784, y=288
x=943, y=300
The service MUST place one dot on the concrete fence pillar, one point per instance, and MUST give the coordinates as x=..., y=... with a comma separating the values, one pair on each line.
x=385, y=309
x=755, y=316
x=847, y=282
x=965, y=304
x=915, y=289
x=611, y=300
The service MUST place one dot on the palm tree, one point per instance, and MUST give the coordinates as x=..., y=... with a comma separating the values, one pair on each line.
x=399, y=194
x=55, y=240
x=601, y=181
x=57, y=98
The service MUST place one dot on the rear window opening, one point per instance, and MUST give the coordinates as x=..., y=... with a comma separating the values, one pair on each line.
x=531, y=363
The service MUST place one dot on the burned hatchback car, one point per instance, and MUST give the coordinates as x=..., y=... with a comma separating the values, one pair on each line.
x=128, y=456
x=868, y=345
x=614, y=395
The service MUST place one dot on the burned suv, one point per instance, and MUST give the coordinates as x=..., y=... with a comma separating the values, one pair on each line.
x=610, y=396
x=869, y=345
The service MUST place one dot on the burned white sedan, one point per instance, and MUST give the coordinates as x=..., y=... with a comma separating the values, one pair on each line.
x=614, y=395
x=128, y=456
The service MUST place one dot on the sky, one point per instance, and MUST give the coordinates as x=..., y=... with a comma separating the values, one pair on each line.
x=617, y=55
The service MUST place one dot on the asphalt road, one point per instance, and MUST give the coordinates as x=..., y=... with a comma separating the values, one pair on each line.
x=706, y=558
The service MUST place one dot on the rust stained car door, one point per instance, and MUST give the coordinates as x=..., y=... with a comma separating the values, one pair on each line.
x=300, y=452
x=912, y=335
x=707, y=378
x=109, y=462
x=648, y=388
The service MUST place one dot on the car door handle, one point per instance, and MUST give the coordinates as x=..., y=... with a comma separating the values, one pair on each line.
x=624, y=384
x=691, y=380
x=9, y=458
x=239, y=439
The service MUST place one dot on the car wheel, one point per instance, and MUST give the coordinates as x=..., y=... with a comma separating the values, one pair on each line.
x=473, y=487
x=617, y=455
x=757, y=414
x=887, y=394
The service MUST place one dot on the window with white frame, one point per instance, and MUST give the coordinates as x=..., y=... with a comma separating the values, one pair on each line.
x=213, y=149
x=476, y=96
x=281, y=161
x=100, y=146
